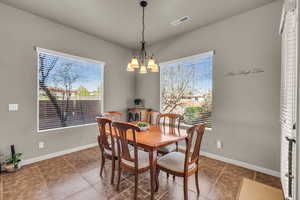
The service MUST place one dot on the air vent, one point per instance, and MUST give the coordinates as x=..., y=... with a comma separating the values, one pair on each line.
x=180, y=21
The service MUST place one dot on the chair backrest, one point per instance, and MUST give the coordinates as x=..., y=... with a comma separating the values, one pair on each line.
x=105, y=131
x=172, y=119
x=193, y=153
x=122, y=129
x=153, y=117
x=113, y=115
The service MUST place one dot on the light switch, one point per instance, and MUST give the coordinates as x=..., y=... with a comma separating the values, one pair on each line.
x=13, y=107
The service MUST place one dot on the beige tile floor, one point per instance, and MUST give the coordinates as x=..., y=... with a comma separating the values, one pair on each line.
x=75, y=176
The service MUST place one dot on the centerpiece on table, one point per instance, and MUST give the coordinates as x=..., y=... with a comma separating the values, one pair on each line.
x=144, y=126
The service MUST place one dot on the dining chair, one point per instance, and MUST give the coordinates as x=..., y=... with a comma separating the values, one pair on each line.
x=107, y=144
x=135, y=161
x=169, y=121
x=153, y=117
x=113, y=115
x=184, y=164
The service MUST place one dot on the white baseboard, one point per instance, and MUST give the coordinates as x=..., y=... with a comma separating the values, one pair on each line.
x=60, y=153
x=210, y=155
x=241, y=164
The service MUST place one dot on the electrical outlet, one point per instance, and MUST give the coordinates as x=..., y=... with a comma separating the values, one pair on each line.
x=41, y=145
x=219, y=144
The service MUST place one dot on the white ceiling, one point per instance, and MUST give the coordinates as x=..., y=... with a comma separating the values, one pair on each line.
x=119, y=21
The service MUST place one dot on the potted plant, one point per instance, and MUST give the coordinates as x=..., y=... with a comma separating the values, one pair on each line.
x=138, y=103
x=12, y=163
x=143, y=126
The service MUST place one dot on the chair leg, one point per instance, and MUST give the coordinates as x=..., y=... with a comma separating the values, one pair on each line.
x=168, y=175
x=173, y=177
x=197, y=182
x=185, y=187
x=102, y=165
x=136, y=186
x=157, y=179
x=119, y=177
x=112, y=171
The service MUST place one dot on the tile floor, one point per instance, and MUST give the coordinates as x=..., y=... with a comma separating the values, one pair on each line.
x=75, y=176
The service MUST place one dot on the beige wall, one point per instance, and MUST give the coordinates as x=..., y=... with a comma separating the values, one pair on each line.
x=246, y=108
x=19, y=33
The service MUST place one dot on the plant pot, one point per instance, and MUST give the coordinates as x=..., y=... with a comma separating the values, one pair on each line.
x=9, y=168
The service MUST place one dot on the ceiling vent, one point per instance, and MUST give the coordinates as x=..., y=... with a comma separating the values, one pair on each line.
x=180, y=21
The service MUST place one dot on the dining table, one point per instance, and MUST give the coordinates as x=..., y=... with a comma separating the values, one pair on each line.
x=151, y=140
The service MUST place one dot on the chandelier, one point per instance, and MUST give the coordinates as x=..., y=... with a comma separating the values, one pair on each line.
x=142, y=61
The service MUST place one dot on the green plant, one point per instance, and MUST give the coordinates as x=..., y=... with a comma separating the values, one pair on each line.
x=195, y=109
x=14, y=159
x=142, y=124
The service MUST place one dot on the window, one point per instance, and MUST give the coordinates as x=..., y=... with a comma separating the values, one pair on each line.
x=186, y=88
x=70, y=90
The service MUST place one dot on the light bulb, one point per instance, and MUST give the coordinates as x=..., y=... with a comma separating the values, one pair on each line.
x=130, y=68
x=155, y=68
x=143, y=69
x=134, y=63
x=151, y=63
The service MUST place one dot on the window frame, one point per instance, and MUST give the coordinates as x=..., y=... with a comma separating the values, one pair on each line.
x=39, y=50
x=188, y=58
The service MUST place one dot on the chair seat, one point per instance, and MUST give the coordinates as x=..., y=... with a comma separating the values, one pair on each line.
x=174, y=161
x=143, y=159
x=167, y=149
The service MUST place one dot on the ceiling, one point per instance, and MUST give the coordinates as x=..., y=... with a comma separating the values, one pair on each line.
x=119, y=21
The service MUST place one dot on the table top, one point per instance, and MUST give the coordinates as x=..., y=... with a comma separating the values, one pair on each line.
x=158, y=136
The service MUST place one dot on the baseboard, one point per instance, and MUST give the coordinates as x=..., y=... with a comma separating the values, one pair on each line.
x=241, y=164
x=210, y=155
x=60, y=153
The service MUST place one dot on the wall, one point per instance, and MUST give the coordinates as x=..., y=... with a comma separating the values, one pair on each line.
x=19, y=33
x=246, y=108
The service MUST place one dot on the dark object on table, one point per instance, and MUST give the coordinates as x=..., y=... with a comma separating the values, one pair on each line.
x=130, y=117
x=137, y=114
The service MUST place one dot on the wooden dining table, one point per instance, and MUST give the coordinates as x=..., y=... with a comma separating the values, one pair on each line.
x=157, y=136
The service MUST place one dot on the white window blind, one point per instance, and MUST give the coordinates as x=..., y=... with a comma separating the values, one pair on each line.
x=288, y=100
x=70, y=90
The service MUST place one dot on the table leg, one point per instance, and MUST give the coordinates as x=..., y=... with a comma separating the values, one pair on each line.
x=153, y=160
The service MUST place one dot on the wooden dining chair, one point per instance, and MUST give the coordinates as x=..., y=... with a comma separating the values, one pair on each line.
x=113, y=115
x=135, y=161
x=153, y=117
x=107, y=144
x=184, y=164
x=172, y=122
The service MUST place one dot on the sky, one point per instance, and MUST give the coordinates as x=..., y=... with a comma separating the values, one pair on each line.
x=202, y=78
x=89, y=73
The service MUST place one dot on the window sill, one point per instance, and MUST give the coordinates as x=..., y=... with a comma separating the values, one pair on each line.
x=63, y=128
